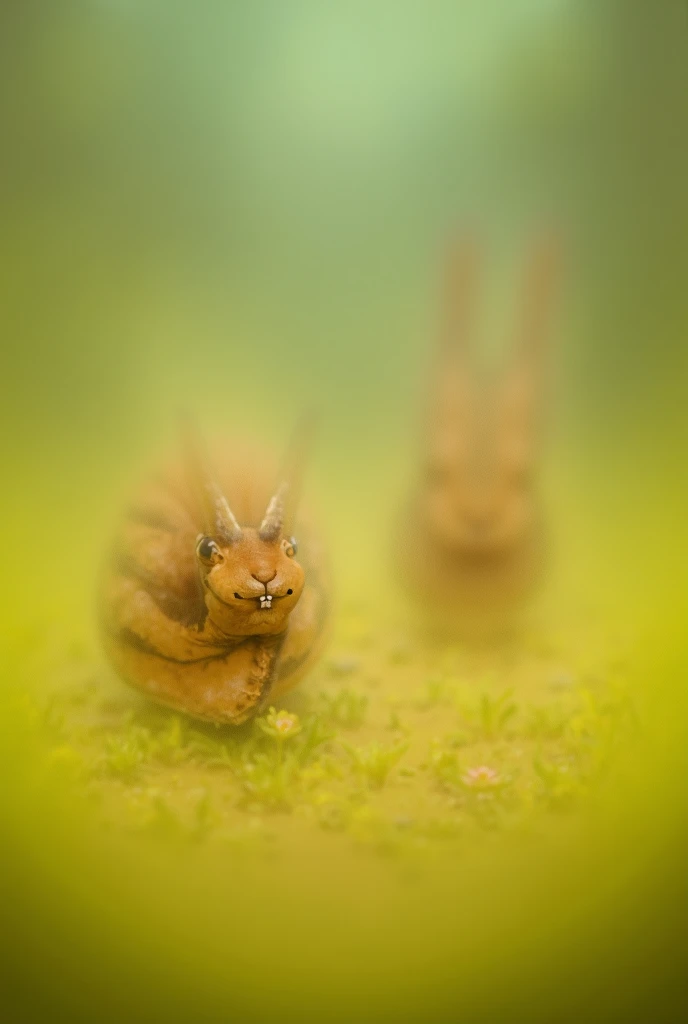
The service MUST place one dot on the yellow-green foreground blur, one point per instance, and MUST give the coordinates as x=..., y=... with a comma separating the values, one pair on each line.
x=240, y=210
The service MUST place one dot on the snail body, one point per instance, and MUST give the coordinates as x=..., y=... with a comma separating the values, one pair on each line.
x=208, y=604
x=474, y=525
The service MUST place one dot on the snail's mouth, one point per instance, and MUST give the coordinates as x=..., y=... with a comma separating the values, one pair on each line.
x=264, y=601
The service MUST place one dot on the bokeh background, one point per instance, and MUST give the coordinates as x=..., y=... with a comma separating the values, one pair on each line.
x=241, y=208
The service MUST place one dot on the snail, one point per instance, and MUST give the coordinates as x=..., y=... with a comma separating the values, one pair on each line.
x=474, y=531
x=208, y=603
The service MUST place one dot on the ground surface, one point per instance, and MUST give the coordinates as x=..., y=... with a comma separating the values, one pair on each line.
x=394, y=743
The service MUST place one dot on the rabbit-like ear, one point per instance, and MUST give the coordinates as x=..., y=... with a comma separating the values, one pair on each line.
x=459, y=301
x=218, y=520
x=273, y=520
x=450, y=379
x=281, y=511
x=539, y=299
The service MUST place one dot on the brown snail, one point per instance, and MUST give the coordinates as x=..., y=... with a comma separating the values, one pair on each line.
x=207, y=603
x=474, y=525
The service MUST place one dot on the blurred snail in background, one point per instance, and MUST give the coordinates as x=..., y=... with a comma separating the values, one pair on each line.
x=208, y=603
x=474, y=529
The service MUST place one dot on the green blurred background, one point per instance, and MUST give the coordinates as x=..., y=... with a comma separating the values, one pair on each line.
x=240, y=208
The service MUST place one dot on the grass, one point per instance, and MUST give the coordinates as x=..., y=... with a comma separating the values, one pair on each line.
x=375, y=762
x=421, y=747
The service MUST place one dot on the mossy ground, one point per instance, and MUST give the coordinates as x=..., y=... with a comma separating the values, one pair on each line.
x=398, y=744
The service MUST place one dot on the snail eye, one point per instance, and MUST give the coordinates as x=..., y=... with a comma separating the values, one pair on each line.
x=437, y=474
x=207, y=549
x=289, y=546
x=521, y=475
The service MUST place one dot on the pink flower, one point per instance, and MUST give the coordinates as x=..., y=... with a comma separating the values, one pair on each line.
x=284, y=722
x=280, y=724
x=481, y=777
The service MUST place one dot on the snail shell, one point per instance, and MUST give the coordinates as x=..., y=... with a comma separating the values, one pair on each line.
x=207, y=602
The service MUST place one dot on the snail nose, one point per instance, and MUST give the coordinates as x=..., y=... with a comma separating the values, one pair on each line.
x=477, y=521
x=264, y=576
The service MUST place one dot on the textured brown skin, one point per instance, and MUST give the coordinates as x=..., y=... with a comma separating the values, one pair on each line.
x=474, y=527
x=172, y=624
